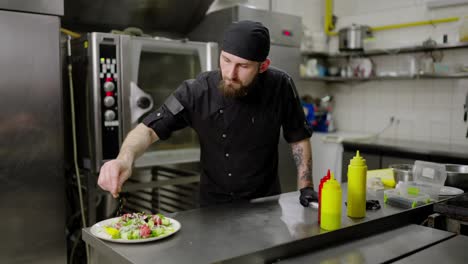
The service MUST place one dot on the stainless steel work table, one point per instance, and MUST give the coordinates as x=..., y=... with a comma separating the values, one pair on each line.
x=421, y=149
x=380, y=248
x=264, y=230
x=454, y=250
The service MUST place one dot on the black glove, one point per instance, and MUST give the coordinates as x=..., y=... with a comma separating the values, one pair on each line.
x=308, y=195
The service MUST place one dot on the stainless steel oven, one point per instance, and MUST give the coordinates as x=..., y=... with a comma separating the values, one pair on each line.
x=119, y=79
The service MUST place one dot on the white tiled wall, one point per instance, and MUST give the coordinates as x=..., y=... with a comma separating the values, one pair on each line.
x=429, y=109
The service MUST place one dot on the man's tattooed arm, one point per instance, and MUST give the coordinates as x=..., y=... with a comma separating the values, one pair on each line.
x=302, y=154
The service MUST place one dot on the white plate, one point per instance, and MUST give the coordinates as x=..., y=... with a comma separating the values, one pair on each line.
x=450, y=191
x=98, y=231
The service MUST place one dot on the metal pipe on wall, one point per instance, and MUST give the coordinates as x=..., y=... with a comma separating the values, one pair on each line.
x=329, y=26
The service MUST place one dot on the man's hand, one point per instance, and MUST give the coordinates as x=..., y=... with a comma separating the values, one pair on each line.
x=308, y=195
x=113, y=174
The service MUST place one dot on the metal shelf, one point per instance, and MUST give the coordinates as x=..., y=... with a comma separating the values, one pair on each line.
x=316, y=54
x=378, y=78
x=444, y=76
x=392, y=51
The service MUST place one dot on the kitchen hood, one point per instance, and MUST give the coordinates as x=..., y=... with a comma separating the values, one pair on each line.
x=175, y=17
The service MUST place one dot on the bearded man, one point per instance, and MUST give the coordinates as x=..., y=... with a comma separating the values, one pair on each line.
x=237, y=112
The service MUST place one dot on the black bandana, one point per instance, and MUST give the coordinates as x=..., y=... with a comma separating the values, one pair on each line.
x=247, y=39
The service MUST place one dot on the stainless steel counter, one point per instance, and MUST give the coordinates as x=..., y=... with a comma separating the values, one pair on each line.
x=380, y=248
x=261, y=231
x=451, y=251
x=411, y=146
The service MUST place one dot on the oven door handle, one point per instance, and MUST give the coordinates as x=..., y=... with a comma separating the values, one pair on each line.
x=140, y=102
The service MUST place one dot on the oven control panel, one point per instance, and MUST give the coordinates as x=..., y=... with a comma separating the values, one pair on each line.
x=109, y=81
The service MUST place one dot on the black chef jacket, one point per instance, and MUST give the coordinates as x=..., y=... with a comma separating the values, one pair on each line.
x=238, y=137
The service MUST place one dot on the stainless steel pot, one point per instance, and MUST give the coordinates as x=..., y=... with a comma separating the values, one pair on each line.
x=457, y=176
x=352, y=38
x=402, y=172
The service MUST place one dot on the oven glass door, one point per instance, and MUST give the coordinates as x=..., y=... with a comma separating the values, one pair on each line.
x=151, y=70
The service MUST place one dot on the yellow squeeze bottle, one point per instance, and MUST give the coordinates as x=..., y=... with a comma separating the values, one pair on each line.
x=357, y=171
x=330, y=216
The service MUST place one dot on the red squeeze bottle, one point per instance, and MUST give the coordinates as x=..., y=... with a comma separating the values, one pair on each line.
x=322, y=182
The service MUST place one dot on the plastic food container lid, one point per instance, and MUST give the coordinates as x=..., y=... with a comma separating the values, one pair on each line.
x=429, y=172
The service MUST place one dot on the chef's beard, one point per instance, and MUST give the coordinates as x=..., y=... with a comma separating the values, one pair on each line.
x=229, y=91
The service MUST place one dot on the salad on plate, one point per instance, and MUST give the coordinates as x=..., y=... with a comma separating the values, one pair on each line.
x=136, y=227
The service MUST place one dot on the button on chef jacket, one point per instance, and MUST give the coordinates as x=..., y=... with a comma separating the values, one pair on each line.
x=238, y=137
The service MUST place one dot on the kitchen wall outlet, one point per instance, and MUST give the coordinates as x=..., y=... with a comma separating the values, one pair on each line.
x=396, y=121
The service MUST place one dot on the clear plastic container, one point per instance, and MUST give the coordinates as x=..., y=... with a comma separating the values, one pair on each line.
x=395, y=198
x=429, y=172
x=411, y=188
x=429, y=177
x=374, y=185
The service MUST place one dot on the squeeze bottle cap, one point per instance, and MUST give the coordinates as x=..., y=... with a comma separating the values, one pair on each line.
x=324, y=179
x=358, y=160
x=332, y=183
